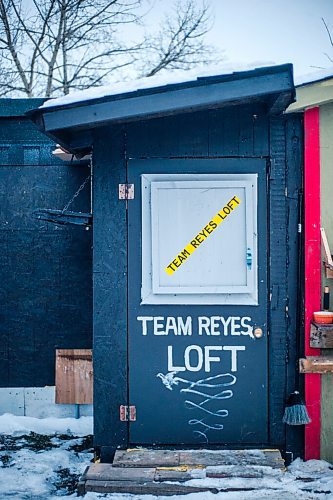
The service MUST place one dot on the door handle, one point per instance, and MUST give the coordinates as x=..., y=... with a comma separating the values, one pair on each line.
x=258, y=333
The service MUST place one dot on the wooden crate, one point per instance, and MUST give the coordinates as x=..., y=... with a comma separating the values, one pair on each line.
x=74, y=376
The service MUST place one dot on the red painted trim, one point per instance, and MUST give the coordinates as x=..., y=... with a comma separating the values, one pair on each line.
x=312, y=271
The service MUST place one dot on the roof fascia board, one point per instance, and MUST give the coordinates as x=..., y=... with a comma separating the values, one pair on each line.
x=157, y=104
x=314, y=94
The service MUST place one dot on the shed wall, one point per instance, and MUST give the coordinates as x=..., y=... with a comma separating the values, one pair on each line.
x=45, y=269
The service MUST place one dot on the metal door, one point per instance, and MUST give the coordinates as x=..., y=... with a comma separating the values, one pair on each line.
x=197, y=301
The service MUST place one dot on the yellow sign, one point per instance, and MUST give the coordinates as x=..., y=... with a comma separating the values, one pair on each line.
x=202, y=235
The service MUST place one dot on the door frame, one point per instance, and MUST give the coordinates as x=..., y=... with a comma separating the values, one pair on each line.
x=285, y=176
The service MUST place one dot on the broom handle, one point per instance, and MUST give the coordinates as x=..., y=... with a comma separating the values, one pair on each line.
x=300, y=296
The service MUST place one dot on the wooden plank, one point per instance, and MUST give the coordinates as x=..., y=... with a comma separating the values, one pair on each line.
x=329, y=272
x=227, y=471
x=328, y=262
x=146, y=458
x=321, y=336
x=75, y=353
x=273, y=459
x=313, y=364
x=270, y=458
x=327, y=251
x=106, y=472
x=196, y=458
x=74, y=376
x=180, y=473
x=151, y=488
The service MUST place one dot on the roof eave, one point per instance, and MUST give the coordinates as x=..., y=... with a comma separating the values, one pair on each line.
x=312, y=94
x=276, y=89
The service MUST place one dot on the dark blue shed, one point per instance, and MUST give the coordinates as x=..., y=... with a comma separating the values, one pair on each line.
x=45, y=269
x=196, y=194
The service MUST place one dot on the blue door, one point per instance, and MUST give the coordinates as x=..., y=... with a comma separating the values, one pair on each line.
x=197, y=301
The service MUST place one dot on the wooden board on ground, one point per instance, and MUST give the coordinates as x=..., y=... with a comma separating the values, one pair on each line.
x=74, y=376
x=159, y=458
x=228, y=471
x=270, y=458
x=106, y=472
x=146, y=458
x=159, y=489
x=166, y=472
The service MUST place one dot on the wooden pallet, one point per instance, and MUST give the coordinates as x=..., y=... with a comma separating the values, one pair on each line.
x=165, y=472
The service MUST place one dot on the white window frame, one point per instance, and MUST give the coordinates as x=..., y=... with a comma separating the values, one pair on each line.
x=151, y=291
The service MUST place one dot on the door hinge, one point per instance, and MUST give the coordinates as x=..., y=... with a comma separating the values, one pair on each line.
x=126, y=191
x=127, y=413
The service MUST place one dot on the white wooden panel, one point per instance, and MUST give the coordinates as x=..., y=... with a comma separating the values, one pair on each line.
x=179, y=212
x=175, y=209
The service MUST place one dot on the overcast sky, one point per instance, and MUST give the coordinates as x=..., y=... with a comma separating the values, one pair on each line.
x=272, y=31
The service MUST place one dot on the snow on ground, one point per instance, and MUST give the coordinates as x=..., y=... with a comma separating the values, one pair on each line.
x=42, y=459
x=10, y=424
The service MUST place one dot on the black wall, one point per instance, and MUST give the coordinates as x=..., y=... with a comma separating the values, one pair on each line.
x=45, y=269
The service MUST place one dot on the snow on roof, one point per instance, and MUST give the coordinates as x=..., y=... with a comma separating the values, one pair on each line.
x=161, y=79
x=315, y=76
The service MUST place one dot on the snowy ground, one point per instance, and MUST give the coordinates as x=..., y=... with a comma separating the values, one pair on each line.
x=43, y=459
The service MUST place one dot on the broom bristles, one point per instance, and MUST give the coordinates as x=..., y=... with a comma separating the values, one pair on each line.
x=296, y=415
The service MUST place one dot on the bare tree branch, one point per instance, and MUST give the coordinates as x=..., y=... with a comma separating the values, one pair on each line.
x=48, y=48
x=179, y=44
x=330, y=37
x=4, y=16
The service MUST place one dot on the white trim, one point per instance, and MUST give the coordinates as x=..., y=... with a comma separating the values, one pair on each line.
x=151, y=291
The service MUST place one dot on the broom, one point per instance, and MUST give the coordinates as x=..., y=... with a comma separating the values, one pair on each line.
x=295, y=412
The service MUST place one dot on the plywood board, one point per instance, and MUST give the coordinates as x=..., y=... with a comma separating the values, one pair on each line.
x=327, y=251
x=312, y=364
x=152, y=488
x=74, y=376
x=327, y=254
x=195, y=458
x=321, y=336
x=106, y=472
x=146, y=458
